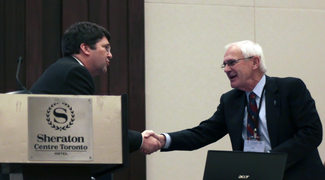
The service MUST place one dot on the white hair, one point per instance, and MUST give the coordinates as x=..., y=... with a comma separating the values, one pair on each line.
x=249, y=48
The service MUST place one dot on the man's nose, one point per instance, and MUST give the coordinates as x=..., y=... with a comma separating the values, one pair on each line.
x=110, y=55
x=227, y=68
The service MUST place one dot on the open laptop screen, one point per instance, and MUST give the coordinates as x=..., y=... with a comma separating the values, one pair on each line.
x=238, y=165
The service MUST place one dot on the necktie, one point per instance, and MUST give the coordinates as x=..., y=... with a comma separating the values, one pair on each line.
x=252, y=119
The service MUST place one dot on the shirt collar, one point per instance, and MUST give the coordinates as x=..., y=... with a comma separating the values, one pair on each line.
x=78, y=61
x=259, y=87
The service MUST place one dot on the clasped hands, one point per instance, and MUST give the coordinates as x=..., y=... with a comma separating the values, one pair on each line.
x=152, y=142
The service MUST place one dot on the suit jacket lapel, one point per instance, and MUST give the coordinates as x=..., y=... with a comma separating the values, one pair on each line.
x=236, y=117
x=272, y=109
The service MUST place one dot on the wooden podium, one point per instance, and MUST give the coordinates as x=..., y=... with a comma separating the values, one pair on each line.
x=45, y=137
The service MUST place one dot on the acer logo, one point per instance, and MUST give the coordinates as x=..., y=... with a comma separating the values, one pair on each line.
x=243, y=176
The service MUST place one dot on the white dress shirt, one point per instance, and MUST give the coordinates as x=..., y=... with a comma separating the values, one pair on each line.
x=264, y=133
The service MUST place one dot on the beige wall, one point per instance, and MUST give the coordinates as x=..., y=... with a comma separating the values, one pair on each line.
x=185, y=42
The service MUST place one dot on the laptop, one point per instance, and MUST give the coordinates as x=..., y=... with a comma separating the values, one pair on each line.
x=238, y=165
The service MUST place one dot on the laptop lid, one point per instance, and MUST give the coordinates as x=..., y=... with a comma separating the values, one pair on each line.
x=238, y=165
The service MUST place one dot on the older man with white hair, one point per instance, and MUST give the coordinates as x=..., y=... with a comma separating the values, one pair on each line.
x=279, y=112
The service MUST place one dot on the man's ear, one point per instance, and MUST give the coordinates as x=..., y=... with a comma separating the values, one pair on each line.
x=85, y=49
x=256, y=62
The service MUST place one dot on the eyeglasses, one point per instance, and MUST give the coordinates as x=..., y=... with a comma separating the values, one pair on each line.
x=232, y=62
x=108, y=48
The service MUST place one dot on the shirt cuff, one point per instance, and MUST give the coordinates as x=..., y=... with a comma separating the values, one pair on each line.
x=168, y=140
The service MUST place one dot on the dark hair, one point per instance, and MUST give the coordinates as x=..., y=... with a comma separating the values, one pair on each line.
x=82, y=32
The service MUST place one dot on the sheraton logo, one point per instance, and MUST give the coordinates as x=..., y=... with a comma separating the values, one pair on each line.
x=60, y=116
x=53, y=130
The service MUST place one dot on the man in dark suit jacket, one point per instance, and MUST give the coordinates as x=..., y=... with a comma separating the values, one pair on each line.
x=86, y=51
x=288, y=119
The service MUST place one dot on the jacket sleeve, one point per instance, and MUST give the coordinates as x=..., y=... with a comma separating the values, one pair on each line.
x=135, y=141
x=205, y=133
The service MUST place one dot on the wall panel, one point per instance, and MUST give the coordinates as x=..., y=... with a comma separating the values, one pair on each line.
x=185, y=42
x=52, y=31
x=34, y=36
x=2, y=46
x=136, y=76
x=73, y=11
x=33, y=30
x=14, y=42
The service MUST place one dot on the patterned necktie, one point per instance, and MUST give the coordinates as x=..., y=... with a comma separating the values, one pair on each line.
x=252, y=119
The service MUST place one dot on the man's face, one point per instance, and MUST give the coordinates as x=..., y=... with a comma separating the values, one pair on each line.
x=100, y=56
x=240, y=73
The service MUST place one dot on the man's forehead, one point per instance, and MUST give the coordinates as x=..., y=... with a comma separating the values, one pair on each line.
x=103, y=41
x=233, y=52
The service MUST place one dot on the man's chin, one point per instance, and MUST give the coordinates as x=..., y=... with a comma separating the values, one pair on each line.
x=233, y=85
x=104, y=71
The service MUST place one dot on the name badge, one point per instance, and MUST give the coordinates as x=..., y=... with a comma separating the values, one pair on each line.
x=254, y=146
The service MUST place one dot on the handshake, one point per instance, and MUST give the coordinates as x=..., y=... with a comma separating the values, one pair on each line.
x=152, y=142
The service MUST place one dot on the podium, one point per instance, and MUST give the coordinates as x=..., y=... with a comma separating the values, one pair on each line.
x=45, y=137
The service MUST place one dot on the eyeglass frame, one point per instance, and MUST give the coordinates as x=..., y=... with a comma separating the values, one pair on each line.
x=108, y=48
x=233, y=62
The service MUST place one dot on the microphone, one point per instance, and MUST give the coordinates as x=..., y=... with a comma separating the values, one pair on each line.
x=23, y=89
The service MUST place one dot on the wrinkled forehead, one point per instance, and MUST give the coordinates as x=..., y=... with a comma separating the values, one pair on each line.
x=233, y=52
